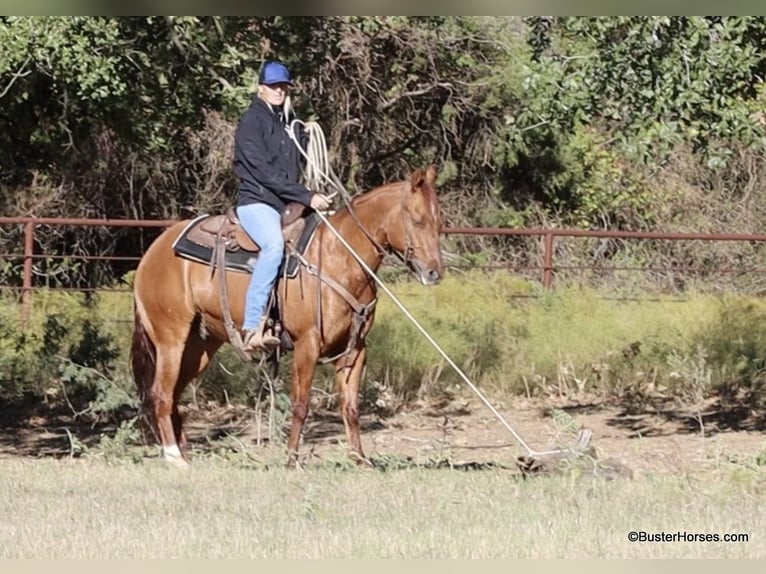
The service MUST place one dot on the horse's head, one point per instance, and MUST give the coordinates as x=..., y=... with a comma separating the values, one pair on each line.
x=417, y=239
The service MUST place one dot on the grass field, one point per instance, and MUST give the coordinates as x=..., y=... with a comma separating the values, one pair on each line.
x=651, y=379
x=90, y=509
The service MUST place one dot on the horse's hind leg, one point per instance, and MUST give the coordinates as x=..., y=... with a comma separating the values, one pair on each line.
x=162, y=397
x=348, y=377
x=196, y=357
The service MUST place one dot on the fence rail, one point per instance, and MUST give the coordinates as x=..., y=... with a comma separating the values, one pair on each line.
x=548, y=236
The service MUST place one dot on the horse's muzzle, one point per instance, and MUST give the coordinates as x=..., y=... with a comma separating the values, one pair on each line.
x=426, y=275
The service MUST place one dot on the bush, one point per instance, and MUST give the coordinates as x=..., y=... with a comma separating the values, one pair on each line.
x=509, y=336
x=68, y=353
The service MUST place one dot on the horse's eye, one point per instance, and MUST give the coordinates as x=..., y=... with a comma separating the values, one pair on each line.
x=417, y=220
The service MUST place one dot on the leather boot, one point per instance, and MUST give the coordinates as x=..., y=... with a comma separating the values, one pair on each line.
x=260, y=338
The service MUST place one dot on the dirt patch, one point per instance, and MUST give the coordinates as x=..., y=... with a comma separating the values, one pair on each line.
x=462, y=431
x=650, y=441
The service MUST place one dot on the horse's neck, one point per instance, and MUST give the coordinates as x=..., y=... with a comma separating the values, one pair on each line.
x=369, y=222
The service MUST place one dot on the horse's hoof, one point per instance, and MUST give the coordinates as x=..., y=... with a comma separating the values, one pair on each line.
x=174, y=458
x=361, y=460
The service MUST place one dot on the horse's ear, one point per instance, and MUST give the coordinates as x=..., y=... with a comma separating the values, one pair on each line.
x=421, y=176
x=431, y=174
x=418, y=177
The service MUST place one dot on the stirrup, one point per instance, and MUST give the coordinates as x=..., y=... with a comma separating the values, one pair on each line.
x=259, y=339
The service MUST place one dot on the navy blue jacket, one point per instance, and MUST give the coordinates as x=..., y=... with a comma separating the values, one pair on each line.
x=266, y=160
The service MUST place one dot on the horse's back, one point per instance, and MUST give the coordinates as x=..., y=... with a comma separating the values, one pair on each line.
x=159, y=262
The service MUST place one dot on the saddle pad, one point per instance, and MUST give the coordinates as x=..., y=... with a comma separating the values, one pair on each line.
x=240, y=260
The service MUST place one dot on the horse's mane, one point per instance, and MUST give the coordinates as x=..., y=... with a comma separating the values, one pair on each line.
x=428, y=191
x=363, y=197
x=427, y=188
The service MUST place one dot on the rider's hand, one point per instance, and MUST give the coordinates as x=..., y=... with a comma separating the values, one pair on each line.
x=319, y=202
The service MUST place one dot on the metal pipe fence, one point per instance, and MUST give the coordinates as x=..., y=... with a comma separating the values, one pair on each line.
x=547, y=269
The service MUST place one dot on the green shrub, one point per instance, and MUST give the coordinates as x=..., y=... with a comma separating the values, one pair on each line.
x=67, y=351
x=465, y=315
x=509, y=336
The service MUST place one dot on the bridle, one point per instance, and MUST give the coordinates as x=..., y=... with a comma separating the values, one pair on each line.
x=409, y=248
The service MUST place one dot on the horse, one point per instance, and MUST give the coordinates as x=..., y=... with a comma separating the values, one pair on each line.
x=327, y=307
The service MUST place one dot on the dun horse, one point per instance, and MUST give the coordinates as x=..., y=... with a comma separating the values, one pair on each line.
x=327, y=307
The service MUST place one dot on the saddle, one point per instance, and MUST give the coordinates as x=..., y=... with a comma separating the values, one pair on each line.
x=225, y=229
x=221, y=242
x=205, y=236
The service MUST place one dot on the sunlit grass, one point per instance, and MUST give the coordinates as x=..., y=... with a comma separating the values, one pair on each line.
x=88, y=509
x=513, y=337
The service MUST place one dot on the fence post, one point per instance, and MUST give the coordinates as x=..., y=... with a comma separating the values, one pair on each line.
x=548, y=260
x=26, y=293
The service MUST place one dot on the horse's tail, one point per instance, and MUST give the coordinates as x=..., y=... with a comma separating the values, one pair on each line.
x=143, y=362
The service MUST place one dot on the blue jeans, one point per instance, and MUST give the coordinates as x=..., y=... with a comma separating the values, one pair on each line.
x=264, y=226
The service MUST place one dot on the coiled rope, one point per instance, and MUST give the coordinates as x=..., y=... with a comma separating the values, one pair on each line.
x=318, y=174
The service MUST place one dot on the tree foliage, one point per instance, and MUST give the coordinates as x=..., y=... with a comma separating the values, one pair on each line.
x=634, y=89
x=594, y=122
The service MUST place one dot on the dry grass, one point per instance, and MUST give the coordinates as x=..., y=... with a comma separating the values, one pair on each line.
x=89, y=509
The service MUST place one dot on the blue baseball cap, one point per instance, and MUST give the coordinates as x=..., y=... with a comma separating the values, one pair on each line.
x=273, y=72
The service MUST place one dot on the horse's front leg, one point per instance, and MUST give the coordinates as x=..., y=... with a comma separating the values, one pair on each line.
x=348, y=377
x=305, y=359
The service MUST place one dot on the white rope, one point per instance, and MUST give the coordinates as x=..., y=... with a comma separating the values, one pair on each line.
x=323, y=171
x=317, y=161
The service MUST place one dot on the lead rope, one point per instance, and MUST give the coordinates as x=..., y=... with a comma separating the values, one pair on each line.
x=326, y=173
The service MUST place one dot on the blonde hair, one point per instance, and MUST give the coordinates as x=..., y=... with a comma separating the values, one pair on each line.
x=287, y=106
